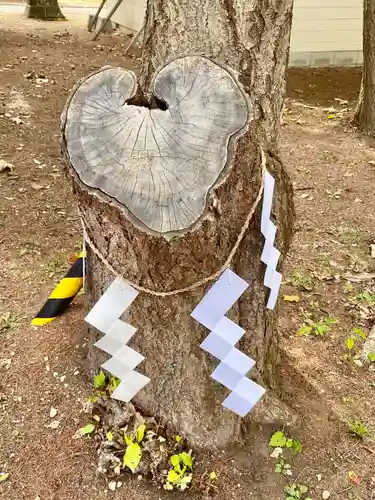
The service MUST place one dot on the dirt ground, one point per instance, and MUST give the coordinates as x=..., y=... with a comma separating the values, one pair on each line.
x=332, y=167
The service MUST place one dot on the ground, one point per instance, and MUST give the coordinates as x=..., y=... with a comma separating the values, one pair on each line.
x=333, y=172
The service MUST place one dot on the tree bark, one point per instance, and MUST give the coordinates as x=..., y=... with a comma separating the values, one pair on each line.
x=47, y=10
x=251, y=41
x=364, y=115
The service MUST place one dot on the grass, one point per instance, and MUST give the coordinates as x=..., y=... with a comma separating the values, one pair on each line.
x=8, y=320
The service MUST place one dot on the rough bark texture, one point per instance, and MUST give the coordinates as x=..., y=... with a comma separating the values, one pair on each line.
x=47, y=10
x=251, y=39
x=364, y=116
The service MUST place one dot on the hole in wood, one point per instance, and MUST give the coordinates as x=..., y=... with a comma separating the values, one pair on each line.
x=140, y=100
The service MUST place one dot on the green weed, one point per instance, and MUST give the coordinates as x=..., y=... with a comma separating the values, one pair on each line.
x=302, y=282
x=358, y=429
x=8, y=320
x=316, y=328
x=296, y=492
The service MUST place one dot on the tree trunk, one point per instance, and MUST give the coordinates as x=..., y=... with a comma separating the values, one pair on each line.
x=47, y=10
x=364, y=116
x=248, y=44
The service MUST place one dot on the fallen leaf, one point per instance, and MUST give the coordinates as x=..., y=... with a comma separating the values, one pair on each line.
x=5, y=167
x=331, y=116
x=213, y=476
x=291, y=298
x=37, y=187
x=354, y=478
x=3, y=476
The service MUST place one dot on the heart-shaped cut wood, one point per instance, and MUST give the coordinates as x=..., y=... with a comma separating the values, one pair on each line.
x=159, y=163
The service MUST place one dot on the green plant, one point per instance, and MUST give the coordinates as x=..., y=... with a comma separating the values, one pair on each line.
x=99, y=380
x=351, y=344
x=366, y=296
x=8, y=320
x=280, y=440
x=113, y=383
x=317, y=328
x=178, y=476
x=371, y=357
x=283, y=468
x=296, y=491
x=302, y=282
x=103, y=386
x=133, y=452
x=358, y=429
x=84, y=431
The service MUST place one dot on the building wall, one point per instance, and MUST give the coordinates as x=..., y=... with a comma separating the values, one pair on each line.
x=324, y=32
x=327, y=32
x=129, y=15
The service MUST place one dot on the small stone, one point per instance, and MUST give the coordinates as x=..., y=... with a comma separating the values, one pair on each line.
x=55, y=374
x=62, y=378
x=119, y=484
x=117, y=469
x=373, y=251
x=53, y=412
x=54, y=424
x=319, y=476
x=326, y=494
x=112, y=485
x=276, y=452
x=76, y=372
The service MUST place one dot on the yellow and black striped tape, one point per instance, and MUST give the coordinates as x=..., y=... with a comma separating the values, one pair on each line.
x=63, y=294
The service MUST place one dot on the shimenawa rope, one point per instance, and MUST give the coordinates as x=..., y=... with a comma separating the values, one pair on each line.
x=201, y=282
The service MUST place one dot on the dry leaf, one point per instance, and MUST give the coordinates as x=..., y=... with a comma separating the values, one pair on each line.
x=291, y=298
x=5, y=167
x=37, y=187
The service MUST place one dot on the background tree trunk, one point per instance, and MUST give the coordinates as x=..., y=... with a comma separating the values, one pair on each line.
x=47, y=10
x=364, y=116
x=252, y=40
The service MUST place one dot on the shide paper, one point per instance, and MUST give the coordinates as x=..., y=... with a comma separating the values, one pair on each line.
x=221, y=341
x=105, y=316
x=270, y=255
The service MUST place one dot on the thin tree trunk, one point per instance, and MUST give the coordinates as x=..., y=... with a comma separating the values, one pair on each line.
x=251, y=40
x=47, y=10
x=364, y=116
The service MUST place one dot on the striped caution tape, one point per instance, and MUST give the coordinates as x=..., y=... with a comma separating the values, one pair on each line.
x=63, y=294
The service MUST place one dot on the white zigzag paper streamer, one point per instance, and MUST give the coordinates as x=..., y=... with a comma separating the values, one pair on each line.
x=270, y=254
x=105, y=317
x=210, y=312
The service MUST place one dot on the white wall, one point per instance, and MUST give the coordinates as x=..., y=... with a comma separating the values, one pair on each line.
x=130, y=13
x=324, y=32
